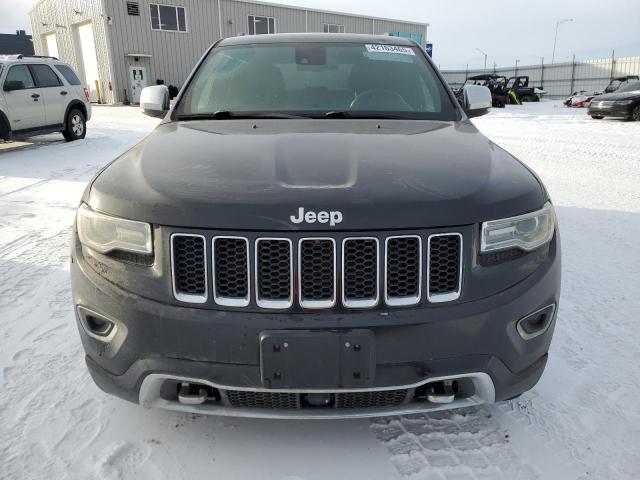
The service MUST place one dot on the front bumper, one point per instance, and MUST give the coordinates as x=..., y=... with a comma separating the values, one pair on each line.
x=610, y=110
x=156, y=343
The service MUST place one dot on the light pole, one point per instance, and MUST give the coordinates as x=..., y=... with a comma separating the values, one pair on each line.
x=485, y=58
x=541, y=72
x=517, y=62
x=555, y=40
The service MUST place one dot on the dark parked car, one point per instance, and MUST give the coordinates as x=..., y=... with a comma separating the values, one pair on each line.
x=316, y=230
x=623, y=103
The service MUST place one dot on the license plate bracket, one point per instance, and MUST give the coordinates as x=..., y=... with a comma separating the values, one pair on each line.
x=305, y=359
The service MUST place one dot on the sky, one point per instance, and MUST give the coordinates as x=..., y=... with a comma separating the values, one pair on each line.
x=506, y=31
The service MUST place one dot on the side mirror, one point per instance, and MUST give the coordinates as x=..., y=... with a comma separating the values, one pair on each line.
x=476, y=100
x=12, y=85
x=154, y=100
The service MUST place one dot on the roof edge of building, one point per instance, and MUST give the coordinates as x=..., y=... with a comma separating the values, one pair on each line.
x=331, y=12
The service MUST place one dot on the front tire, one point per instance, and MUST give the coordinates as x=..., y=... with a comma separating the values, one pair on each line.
x=5, y=131
x=635, y=114
x=76, y=126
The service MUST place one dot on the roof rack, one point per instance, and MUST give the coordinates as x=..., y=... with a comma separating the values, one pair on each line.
x=21, y=56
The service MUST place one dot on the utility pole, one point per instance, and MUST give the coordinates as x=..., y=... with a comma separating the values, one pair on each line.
x=485, y=58
x=555, y=40
x=516, y=74
x=494, y=67
x=541, y=72
x=613, y=64
x=573, y=74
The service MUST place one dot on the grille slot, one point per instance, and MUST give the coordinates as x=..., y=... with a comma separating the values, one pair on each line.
x=317, y=272
x=403, y=270
x=360, y=265
x=189, y=265
x=274, y=272
x=444, y=271
x=281, y=400
x=231, y=271
x=385, y=398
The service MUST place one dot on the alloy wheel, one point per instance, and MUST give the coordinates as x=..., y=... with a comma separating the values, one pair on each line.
x=77, y=125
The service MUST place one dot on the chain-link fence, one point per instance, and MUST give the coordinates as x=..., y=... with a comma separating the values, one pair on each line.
x=560, y=79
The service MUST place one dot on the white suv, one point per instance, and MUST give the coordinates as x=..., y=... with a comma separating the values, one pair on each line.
x=41, y=95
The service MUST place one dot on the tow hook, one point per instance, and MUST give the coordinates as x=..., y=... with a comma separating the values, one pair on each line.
x=441, y=392
x=192, y=394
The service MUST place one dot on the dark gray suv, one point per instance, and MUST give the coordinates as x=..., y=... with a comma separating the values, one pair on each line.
x=316, y=230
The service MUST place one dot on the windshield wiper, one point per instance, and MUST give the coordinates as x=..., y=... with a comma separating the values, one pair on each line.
x=366, y=115
x=228, y=115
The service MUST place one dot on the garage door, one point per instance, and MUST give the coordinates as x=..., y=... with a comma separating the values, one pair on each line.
x=51, y=45
x=87, y=47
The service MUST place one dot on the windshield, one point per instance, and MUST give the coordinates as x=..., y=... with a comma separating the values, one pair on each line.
x=475, y=81
x=613, y=86
x=314, y=79
x=630, y=87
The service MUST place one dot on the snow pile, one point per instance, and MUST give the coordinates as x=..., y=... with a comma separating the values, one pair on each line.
x=581, y=422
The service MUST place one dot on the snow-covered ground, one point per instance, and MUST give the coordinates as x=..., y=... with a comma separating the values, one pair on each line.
x=582, y=421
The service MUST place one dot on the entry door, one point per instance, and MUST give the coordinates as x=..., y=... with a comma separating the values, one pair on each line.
x=138, y=80
x=52, y=45
x=26, y=106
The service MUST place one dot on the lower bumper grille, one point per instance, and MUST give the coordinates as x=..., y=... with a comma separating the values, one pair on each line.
x=242, y=399
x=346, y=400
x=386, y=398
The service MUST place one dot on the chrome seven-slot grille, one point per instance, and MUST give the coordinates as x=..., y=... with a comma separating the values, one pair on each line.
x=317, y=272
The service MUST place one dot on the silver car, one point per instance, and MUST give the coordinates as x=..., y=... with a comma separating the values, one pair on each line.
x=41, y=95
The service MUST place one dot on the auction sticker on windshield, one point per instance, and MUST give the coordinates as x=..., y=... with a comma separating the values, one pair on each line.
x=390, y=49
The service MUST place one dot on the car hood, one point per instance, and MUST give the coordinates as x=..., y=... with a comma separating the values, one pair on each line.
x=237, y=174
x=618, y=96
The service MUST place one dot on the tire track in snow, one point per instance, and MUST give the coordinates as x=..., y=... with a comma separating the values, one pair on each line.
x=462, y=444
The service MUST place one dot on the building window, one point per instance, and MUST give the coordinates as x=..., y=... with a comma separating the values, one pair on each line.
x=333, y=28
x=261, y=25
x=168, y=18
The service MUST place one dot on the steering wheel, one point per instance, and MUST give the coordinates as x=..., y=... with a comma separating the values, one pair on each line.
x=376, y=98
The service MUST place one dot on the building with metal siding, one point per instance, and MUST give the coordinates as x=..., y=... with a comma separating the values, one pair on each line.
x=138, y=43
x=56, y=23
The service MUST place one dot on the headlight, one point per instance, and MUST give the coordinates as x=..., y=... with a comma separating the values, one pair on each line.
x=528, y=231
x=105, y=233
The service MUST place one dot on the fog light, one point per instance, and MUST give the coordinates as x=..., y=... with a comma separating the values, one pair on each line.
x=96, y=325
x=536, y=323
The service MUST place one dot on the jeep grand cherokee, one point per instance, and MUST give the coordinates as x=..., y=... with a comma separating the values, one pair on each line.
x=315, y=230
